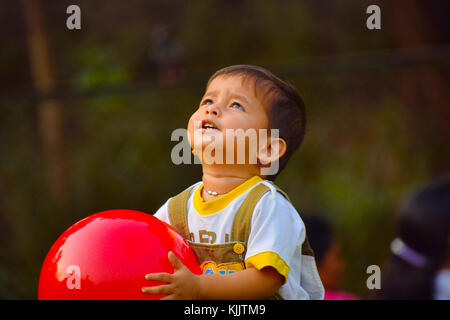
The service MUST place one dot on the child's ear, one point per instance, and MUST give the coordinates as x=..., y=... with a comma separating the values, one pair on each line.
x=273, y=151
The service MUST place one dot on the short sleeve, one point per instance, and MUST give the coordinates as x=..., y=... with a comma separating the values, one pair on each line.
x=276, y=234
x=163, y=212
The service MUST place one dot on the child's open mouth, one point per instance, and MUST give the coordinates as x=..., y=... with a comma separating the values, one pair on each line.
x=208, y=126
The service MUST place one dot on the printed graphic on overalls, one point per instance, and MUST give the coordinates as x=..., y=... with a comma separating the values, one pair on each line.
x=210, y=267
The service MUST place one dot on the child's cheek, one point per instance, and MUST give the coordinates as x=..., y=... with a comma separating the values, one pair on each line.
x=190, y=129
x=190, y=132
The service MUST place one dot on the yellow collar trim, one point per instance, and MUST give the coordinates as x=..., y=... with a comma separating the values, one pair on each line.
x=213, y=206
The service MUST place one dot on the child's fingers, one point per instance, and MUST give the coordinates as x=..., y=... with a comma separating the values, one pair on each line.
x=176, y=263
x=164, y=289
x=164, y=277
x=169, y=297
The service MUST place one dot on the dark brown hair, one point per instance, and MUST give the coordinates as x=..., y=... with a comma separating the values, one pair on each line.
x=286, y=110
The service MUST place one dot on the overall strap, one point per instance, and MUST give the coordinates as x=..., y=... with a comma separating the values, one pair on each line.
x=306, y=247
x=280, y=191
x=242, y=220
x=178, y=212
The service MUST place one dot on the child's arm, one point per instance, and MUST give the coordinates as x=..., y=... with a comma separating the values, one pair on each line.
x=250, y=283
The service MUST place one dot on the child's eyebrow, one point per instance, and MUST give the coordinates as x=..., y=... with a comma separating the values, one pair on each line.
x=234, y=95
x=239, y=96
x=211, y=93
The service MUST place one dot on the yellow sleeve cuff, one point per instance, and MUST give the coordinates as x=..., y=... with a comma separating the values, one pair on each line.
x=269, y=259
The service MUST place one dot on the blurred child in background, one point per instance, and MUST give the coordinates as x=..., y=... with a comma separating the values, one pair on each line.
x=419, y=266
x=328, y=256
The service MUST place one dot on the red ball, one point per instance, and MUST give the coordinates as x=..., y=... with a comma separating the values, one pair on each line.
x=107, y=255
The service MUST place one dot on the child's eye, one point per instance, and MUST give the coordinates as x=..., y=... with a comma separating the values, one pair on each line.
x=237, y=106
x=207, y=101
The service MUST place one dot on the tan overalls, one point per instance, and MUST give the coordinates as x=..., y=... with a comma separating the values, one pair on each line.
x=227, y=253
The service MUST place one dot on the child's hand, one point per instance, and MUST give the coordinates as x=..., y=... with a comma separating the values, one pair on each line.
x=181, y=285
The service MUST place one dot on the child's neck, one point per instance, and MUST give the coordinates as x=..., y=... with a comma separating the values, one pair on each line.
x=222, y=181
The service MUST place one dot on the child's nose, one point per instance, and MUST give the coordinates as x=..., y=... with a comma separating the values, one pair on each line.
x=213, y=109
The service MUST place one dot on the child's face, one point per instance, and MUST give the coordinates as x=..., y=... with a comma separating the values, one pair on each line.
x=228, y=103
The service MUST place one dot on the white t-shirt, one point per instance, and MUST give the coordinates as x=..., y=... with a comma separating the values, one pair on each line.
x=276, y=234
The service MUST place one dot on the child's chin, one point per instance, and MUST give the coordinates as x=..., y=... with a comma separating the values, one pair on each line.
x=210, y=137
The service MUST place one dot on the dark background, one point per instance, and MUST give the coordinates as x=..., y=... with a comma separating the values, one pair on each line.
x=86, y=115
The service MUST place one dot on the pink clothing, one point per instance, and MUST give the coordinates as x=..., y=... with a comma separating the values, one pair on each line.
x=338, y=295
